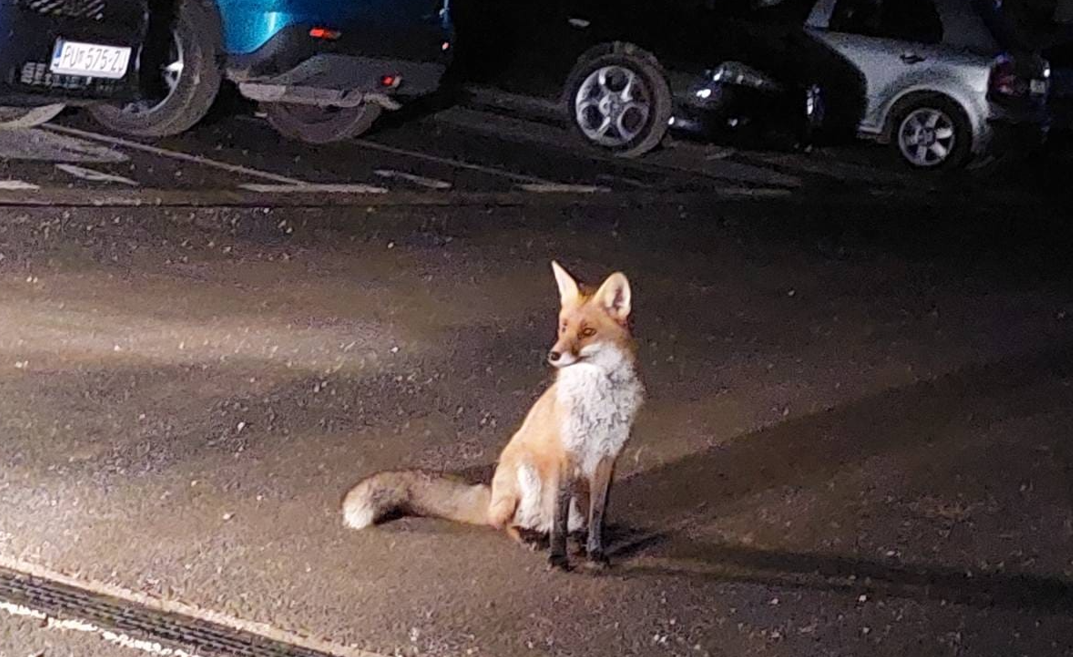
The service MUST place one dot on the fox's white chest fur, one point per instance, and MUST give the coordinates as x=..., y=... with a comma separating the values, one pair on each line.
x=601, y=396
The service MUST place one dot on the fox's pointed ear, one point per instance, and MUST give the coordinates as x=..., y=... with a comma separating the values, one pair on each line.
x=568, y=290
x=614, y=296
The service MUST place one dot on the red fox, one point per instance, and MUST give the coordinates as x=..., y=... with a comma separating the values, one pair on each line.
x=554, y=475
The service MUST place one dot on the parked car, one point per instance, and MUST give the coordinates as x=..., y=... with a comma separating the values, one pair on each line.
x=323, y=71
x=616, y=68
x=927, y=76
x=1060, y=103
x=1049, y=29
x=938, y=81
x=55, y=53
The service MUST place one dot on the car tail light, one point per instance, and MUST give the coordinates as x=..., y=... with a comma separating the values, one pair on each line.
x=1009, y=79
x=325, y=33
x=1004, y=80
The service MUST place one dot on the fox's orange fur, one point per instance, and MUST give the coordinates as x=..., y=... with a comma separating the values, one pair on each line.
x=554, y=474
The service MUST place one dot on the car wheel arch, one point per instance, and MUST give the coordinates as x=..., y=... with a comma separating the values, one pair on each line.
x=910, y=97
x=212, y=7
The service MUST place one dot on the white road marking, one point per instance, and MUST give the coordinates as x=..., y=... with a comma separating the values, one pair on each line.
x=17, y=185
x=607, y=177
x=719, y=153
x=95, y=176
x=431, y=183
x=43, y=146
x=754, y=192
x=312, y=188
x=683, y=157
x=178, y=155
x=118, y=638
x=560, y=188
x=454, y=163
x=183, y=609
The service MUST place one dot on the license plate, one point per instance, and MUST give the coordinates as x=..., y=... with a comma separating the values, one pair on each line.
x=1037, y=87
x=89, y=59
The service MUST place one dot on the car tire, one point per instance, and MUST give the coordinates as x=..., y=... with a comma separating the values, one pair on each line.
x=189, y=84
x=321, y=125
x=17, y=118
x=931, y=133
x=619, y=100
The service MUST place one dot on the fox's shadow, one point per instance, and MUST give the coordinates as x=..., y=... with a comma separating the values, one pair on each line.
x=651, y=511
x=807, y=453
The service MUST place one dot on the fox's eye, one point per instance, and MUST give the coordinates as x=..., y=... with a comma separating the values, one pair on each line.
x=588, y=332
x=562, y=329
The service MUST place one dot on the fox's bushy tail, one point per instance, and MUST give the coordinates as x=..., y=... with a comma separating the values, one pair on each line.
x=415, y=493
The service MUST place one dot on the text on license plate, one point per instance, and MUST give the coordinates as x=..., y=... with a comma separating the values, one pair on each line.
x=1037, y=87
x=89, y=59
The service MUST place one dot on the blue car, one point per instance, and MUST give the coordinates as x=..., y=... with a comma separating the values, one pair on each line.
x=66, y=52
x=322, y=70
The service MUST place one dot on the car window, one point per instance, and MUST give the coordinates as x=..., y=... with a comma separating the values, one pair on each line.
x=904, y=20
x=856, y=17
x=911, y=20
x=791, y=12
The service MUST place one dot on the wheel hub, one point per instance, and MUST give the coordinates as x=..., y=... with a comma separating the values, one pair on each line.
x=927, y=137
x=612, y=106
x=170, y=72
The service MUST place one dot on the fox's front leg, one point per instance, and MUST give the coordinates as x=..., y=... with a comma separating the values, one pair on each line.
x=504, y=502
x=600, y=489
x=564, y=493
x=581, y=505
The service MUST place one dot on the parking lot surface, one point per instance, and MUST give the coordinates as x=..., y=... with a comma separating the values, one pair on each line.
x=856, y=438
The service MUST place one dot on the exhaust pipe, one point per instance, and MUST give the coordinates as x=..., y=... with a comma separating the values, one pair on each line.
x=297, y=95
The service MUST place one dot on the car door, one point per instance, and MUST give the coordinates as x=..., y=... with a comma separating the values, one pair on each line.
x=886, y=40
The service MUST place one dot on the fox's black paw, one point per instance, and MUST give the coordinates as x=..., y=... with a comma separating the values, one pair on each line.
x=559, y=562
x=598, y=560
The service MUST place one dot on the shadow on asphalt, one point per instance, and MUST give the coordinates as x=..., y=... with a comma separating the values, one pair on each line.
x=942, y=418
x=941, y=423
x=738, y=564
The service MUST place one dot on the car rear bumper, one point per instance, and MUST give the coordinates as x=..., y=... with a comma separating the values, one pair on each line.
x=1015, y=127
x=1015, y=137
x=415, y=58
x=29, y=37
x=1062, y=116
x=346, y=81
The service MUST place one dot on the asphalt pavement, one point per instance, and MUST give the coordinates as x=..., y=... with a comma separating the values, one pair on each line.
x=855, y=443
x=454, y=152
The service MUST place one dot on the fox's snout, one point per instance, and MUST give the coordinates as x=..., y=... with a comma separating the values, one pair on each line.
x=561, y=356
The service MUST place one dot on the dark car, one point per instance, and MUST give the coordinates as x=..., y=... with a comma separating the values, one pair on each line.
x=623, y=70
x=55, y=53
x=1049, y=30
x=618, y=66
